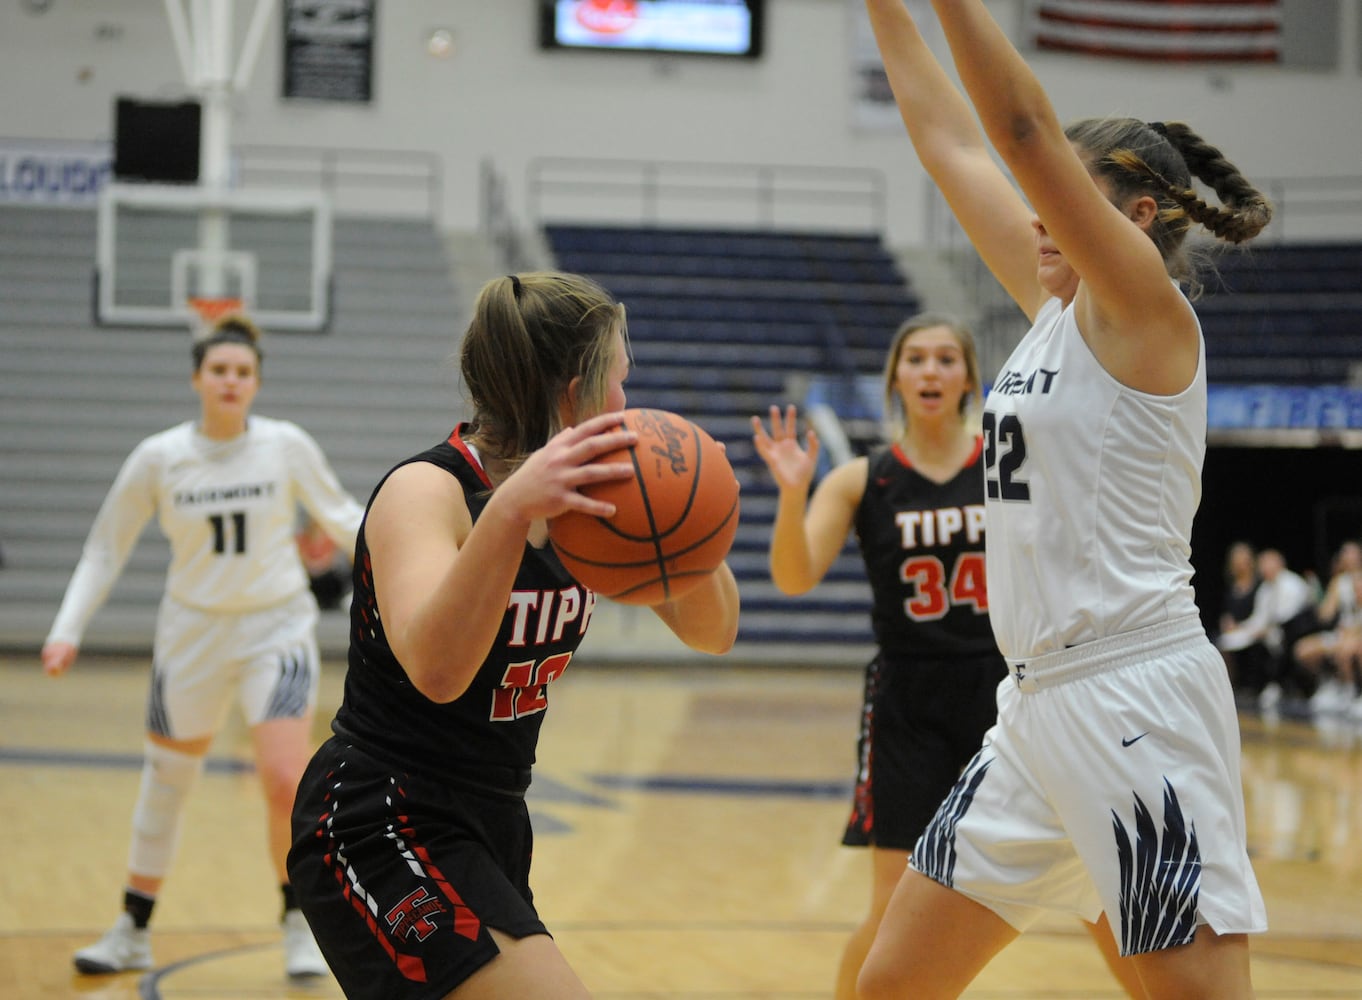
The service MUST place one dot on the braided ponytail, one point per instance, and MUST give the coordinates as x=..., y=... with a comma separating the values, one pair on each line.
x=1160, y=159
x=1247, y=211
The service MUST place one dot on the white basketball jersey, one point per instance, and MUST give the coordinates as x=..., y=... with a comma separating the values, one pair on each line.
x=1091, y=491
x=229, y=510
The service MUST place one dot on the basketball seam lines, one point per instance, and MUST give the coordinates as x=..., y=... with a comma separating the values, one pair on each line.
x=634, y=564
x=652, y=523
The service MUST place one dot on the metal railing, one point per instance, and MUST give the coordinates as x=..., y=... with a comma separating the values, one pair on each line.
x=659, y=192
x=357, y=181
x=1314, y=208
x=498, y=222
x=1306, y=210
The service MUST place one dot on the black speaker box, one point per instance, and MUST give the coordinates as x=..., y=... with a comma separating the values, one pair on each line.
x=156, y=141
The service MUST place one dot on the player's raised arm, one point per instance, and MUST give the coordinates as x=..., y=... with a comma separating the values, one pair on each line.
x=1124, y=277
x=808, y=532
x=954, y=152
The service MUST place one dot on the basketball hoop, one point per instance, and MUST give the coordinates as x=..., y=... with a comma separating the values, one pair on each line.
x=209, y=311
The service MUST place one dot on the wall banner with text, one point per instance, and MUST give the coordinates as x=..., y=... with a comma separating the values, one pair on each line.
x=54, y=171
x=329, y=50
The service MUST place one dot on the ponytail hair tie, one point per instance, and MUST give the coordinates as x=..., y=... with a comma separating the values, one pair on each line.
x=515, y=286
x=1159, y=127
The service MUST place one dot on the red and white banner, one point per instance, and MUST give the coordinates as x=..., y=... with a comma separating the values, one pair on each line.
x=1162, y=30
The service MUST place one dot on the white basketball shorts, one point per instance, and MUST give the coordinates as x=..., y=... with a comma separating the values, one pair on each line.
x=267, y=659
x=1111, y=783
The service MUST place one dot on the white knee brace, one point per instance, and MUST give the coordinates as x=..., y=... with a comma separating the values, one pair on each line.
x=167, y=776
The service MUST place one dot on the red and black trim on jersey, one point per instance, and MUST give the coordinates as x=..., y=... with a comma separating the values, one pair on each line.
x=414, y=917
x=457, y=442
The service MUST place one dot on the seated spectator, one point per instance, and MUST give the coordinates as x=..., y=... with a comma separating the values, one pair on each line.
x=1247, y=667
x=1334, y=655
x=1283, y=611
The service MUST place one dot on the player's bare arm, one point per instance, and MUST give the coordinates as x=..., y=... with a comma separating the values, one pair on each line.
x=953, y=150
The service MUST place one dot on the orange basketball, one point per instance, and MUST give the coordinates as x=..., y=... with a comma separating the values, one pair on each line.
x=674, y=519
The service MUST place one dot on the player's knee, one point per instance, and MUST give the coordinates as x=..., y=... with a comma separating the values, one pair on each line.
x=282, y=753
x=279, y=781
x=167, y=777
x=876, y=982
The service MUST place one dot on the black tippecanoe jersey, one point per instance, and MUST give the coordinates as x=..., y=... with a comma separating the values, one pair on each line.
x=490, y=732
x=923, y=546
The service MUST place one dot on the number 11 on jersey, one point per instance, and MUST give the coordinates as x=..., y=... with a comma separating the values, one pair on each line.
x=221, y=531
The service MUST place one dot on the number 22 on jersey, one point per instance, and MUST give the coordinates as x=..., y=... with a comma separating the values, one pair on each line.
x=1004, y=455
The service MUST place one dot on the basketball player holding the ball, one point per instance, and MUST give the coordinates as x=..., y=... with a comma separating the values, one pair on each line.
x=412, y=840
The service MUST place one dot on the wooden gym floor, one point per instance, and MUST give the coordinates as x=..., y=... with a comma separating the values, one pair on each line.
x=687, y=844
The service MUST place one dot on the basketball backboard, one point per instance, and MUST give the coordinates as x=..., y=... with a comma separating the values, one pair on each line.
x=161, y=246
x=172, y=254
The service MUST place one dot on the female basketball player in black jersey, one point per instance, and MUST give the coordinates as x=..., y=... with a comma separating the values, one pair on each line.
x=412, y=842
x=917, y=508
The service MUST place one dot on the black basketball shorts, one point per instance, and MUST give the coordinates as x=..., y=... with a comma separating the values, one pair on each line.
x=401, y=876
x=921, y=722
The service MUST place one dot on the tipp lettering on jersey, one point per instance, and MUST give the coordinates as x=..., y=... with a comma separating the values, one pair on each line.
x=538, y=618
x=544, y=616
x=943, y=564
x=939, y=527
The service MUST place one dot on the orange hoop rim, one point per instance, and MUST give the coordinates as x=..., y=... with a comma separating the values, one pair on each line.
x=210, y=310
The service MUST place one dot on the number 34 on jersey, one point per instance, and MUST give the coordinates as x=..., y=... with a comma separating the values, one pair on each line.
x=936, y=586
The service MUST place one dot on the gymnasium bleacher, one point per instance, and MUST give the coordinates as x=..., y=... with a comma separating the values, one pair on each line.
x=1287, y=314
x=724, y=323
x=75, y=397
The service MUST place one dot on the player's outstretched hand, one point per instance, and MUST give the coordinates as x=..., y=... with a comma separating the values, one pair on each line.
x=791, y=466
x=550, y=480
x=58, y=657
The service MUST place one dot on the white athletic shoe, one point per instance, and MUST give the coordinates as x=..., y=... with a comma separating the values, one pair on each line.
x=1332, y=696
x=302, y=958
x=1270, y=697
x=123, y=948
